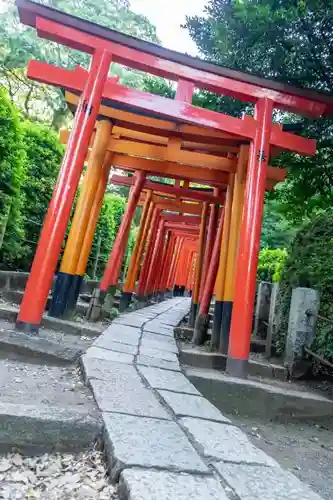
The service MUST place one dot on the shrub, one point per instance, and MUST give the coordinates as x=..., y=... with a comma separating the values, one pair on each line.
x=310, y=264
x=271, y=264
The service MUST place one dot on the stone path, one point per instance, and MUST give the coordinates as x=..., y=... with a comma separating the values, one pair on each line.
x=163, y=440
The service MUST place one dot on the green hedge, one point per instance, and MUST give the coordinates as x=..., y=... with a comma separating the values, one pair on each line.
x=310, y=264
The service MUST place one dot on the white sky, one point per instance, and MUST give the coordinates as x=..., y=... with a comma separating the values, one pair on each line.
x=167, y=16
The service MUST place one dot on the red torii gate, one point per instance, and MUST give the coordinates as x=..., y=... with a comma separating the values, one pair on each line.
x=108, y=46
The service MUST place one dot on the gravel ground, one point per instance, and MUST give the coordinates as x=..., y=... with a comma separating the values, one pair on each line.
x=55, y=477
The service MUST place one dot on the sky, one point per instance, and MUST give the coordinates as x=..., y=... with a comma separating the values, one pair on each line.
x=167, y=16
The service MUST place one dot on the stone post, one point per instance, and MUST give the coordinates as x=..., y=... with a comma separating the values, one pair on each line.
x=271, y=320
x=301, y=330
x=262, y=309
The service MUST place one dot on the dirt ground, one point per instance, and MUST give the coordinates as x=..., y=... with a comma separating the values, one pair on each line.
x=306, y=449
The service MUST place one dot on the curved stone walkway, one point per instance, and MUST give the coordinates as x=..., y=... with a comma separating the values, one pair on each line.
x=163, y=439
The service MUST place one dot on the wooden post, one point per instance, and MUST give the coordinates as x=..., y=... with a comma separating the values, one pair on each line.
x=233, y=242
x=202, y=321
x=241, y=322
x=68, y=283
x=198, y=271
x=220, y=278
x=56, y=220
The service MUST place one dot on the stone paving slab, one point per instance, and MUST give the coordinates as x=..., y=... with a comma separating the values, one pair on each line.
x=159, y=354
x=159, y=339
x=104, y=342
x=120, y=333
x=169, y=380
x=124, y=392
x=96, y=368
x=149, y=343
x=118, y=357
x=255, y=482
x=158, y=327
x=192, y=406
x=147, y=442
x=158, y=363
x=225, y=442
x=136, y=484
x=126, y=319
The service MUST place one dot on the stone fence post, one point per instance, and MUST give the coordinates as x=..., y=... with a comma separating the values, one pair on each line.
x=262, y=309
x=301, y=329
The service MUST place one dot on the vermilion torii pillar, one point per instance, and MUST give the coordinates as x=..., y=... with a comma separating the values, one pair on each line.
x=241, y=323
x=56, y=220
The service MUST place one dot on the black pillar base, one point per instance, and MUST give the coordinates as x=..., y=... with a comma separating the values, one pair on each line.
x=65, y=294
x=237, y=367
x=29, y=328
x=193, y=314
x=125, y=300
x=200, y=329
x=182, y=291
x=73, y=295
x=216, y=329
x=225, y=326
x=63, y=283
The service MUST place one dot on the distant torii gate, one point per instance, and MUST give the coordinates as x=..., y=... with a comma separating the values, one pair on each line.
x=107, y=46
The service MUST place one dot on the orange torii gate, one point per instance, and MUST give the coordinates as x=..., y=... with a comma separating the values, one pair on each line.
x=107, y=46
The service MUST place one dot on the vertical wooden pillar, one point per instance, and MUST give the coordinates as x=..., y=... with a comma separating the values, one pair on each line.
x=198, y=271
x=113, y=267
x=128, y=288
x=56, y=220
x=167, y=263
x=241, y=322
x=68, y=283
x=235, y=221
x=94, y=215
x=141, y=247
x=202, y=321
x=160, y=267
x=211, y=234
x=151, y=275
x=149, y=250
x=220, y=278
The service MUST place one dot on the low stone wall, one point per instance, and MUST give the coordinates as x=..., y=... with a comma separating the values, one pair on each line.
x=17, y=280
x=163, y=439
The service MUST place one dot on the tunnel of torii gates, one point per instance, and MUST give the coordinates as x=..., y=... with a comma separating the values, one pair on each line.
x=205, y=240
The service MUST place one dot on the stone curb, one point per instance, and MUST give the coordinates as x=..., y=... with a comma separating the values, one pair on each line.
x=163, y=439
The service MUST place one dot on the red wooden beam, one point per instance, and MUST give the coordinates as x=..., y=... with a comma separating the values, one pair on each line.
x=175, y=110
x=142, y=61
x=192, y=194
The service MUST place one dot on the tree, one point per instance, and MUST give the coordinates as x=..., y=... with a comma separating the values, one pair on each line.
x=288, y=40
x=12, y=174
x=20, y=44
x=44, y=153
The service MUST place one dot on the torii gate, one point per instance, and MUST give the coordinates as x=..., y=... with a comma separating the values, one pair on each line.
x=108, y=46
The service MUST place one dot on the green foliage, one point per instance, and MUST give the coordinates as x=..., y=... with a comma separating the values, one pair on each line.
x=271, y=263
x=20, y=43
x=310, y=264
x=277, y=231
x=44, y=154
x=288, y=40
x=12, y=174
